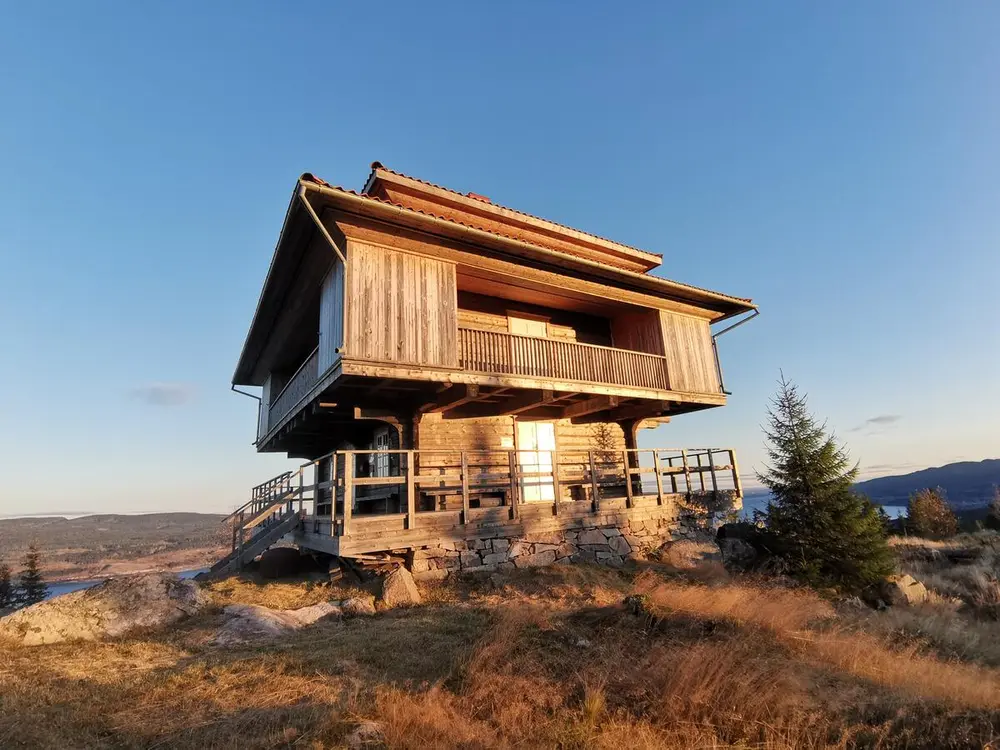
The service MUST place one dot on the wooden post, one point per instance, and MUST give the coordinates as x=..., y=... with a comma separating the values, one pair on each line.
x=711, y=465
x=595, y=490
x=301, y=489
x=316, y=465
x=411, y=492
x=333, y=494
x=348, y=490
x=673, y=477
x=465, y=487
x=659, y=477
x=556, y=483
x=512, y=461
x=701, y=474
x=629, y=500
x=687, y=471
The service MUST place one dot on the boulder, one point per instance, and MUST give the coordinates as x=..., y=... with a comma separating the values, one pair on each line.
x=737, y=554
x=113, y=608
x=399, y=590
x=280, y=562
x=249, y=622
x=361, y=606
x=688, y=554
x=902, y=589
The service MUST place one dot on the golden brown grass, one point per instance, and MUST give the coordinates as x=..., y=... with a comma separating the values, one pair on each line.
x=551, y=659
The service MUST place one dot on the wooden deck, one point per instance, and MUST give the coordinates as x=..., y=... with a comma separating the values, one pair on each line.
x=357, y=502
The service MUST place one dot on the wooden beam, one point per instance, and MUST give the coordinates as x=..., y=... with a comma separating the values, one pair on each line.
x=590, y=406
x=526, y=401
x=451, y=397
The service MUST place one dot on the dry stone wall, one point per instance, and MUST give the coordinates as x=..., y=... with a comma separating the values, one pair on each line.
x=631, y=536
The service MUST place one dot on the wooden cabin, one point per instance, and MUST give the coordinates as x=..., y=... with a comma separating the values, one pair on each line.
x=456, y=373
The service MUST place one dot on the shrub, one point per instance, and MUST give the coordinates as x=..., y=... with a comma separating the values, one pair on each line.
x=993, y=511
x=815, y=525
x=6, y=591
x=32, y=589
x=930, y=516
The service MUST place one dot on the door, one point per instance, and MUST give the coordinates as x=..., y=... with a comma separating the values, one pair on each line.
x=535, y=443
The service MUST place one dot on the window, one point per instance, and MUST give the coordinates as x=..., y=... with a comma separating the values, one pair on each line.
x=528, y=327
x=380, y=461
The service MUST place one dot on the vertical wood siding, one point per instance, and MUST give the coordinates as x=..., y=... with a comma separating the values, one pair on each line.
x=331, y=317
x=400, y=307
x=690, y=361
x=265, y=407
x=639, y=331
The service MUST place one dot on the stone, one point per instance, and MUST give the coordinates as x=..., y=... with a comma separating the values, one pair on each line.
x=619, y=546
x=582, y=643
x=535, y=560
x=420, y=566
x=113, y=608
x=280, y=562
x=471, y=560
x=501, y=545
x=497, y=581
x=519, y=548
x=249, y=622
x=506, y=566
x=564, y=560
x=545, y=546
x=359, y=606
x=611, y=531
x=902, y=589
x=584, y=555
x=591, y=536
x=552, y=538
x=399, y=590
x=736, y=553
x=494, y=558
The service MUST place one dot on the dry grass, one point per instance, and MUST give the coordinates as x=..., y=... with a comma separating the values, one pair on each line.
x=550, y=660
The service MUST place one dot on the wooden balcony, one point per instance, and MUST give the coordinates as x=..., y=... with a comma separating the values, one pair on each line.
x=496, y=353
x=294, y=395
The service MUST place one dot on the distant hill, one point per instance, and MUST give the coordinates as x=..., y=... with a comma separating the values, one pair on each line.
x=969, y=484
x=105, y=544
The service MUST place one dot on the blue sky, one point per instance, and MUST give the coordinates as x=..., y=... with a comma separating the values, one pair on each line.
x=839, y=163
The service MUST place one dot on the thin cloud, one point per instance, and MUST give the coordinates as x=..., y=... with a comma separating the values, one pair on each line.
x=882, y=420
x=165, y=394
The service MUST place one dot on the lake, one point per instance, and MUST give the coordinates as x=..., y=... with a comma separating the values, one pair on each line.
x=58, y=588
x=758, y=501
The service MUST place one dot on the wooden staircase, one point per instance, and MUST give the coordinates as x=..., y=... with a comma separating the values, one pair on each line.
x=260, y=523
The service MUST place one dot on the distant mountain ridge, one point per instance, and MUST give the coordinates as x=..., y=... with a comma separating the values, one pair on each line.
x=969, y=484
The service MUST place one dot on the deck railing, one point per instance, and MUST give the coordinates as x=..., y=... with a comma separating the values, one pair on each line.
x=295, y=389
x=495, y=352
x=350, y=492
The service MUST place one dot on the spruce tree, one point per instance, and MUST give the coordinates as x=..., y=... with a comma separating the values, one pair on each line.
x=815, y=524
x=6, y=590
x=33, y=588
x=993, y=511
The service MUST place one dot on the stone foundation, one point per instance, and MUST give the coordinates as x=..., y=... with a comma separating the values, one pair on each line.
x=629, y=539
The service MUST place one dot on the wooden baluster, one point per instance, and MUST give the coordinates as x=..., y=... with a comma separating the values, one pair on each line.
x=737, y=481
x=701, y=474
x=629, y=500
x=556, y=482
x=411, y=494
x=673, y=477
x=595, y=490
x=711, y=466
x=687, y=471
x=348, y=490
x=465, y=488
x=659, y=477
x=512, y=463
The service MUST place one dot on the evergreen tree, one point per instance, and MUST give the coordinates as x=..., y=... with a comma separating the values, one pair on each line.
x=815, y=524
x=6, y=590
x=33, y=588
x=929, y=515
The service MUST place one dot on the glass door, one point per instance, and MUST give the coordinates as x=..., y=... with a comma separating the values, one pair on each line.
x=535, y=443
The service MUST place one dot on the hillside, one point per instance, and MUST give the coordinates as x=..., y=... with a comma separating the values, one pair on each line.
x=92, y=546
x=969, y=484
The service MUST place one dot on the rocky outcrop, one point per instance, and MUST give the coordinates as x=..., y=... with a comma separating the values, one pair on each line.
x=358, y=606
x=113, y=608
x=399, y=589
x=903, y=589
x=249, y=622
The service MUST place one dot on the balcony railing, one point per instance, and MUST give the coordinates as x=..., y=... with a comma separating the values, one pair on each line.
x=297, y=387
x=504, y=353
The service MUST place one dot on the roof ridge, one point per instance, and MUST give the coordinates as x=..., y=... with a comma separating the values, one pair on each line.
x=312, y=178
x=379, y=165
